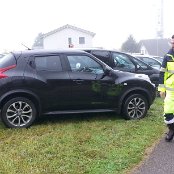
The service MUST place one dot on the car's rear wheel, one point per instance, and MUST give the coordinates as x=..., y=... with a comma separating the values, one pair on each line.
x=135, y=107
x=18, y=112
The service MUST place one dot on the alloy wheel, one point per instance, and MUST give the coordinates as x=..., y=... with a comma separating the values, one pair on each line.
x=19, y=113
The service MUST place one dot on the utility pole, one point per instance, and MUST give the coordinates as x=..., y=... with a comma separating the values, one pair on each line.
x=160, y=22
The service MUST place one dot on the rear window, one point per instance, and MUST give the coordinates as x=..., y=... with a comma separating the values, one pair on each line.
x=48, y=63
x=7, y=60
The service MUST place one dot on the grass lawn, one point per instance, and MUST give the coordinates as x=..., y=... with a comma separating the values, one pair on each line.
x=80, y=144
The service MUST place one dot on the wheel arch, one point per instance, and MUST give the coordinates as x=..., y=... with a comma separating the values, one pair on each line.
x=140, y=91
x=21, y=93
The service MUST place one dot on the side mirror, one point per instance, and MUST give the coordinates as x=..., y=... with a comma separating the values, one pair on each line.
x=107, y=70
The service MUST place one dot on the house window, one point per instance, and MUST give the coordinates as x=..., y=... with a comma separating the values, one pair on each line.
x=81, y=40
x=70, y=45
x=69, y=40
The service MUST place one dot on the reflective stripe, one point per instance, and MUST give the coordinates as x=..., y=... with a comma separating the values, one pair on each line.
x=169, y=89
x=171, y=71
x=170, y=56
x=169, y=122
x=161, y=85
x=163, y=69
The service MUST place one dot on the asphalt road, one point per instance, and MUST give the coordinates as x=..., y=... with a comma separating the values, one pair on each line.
x=160, y=161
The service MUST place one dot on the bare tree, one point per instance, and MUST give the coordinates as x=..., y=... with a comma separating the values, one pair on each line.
x=130, y=45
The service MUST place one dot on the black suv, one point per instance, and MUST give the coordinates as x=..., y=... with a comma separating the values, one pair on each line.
x=37, y=82
x=125, y=62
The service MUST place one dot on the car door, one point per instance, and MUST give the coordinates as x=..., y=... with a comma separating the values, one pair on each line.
x=49, y=81
x=89, y=85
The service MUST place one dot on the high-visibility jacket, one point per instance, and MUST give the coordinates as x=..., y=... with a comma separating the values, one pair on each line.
x=166, y=83
x=166, y=78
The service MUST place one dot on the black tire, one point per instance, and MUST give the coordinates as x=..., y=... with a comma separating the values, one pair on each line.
x=135, y=107
x=18, y=112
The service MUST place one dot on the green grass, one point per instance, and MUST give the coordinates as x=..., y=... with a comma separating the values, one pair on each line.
x=80, y=144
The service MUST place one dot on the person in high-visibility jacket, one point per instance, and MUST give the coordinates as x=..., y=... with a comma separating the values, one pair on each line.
x=166, y=88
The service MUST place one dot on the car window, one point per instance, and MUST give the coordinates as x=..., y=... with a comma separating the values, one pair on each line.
x=152, y=62
x=48, y=63
x=80, y=63
x=141, y=64
x=122, y=61
x=102, y=55
x=159, y=58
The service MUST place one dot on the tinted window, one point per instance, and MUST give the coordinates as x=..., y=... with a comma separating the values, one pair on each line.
x=122, y=61
x=48, y=63
x=84, y=64
x=142, y=64
x=152, y=62
x=102, y=55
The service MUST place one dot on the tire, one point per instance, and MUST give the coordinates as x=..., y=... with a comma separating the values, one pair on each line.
x=135, y=107
x=18, y=112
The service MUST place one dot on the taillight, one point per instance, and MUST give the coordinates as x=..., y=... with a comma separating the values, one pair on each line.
x=2, y=70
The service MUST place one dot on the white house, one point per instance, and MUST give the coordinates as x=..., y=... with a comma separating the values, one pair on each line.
x=68, y=36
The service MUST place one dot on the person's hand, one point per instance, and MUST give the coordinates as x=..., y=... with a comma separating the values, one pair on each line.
x=162, y=94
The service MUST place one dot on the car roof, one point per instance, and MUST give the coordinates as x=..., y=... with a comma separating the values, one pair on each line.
x=45, y=51
x=157, y=58
x=102, y=49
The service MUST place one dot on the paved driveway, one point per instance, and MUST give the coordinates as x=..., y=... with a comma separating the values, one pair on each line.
x=160, y=161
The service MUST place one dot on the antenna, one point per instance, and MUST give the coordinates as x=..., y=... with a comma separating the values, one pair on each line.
x=26, y=46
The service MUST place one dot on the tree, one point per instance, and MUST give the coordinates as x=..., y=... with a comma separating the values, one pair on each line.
x=38, y=41
x=130, y=46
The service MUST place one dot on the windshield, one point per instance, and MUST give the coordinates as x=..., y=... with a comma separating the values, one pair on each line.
x=159, y=58
x=141, y=64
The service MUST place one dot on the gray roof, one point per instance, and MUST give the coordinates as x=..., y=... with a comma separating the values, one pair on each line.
x=71, y=27
x=157, y=47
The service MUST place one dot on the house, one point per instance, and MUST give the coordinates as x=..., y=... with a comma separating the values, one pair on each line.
x=67, y=36
x=156, y=47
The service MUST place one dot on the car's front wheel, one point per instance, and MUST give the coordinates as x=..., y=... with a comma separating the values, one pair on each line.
x=18, y=112
x=135, y=107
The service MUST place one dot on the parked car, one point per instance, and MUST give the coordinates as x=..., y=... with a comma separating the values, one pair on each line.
x=125, y=62
x=153, y=61
x=38, y=82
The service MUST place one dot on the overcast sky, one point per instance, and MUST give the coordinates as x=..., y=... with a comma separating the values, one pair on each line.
x=112, y=20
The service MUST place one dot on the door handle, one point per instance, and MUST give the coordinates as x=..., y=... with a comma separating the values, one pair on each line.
x=78, y=81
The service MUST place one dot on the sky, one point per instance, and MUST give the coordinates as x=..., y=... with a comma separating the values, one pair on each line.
x=112, y=20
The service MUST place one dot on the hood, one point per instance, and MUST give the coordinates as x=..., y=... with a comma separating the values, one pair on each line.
x=129, y=75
